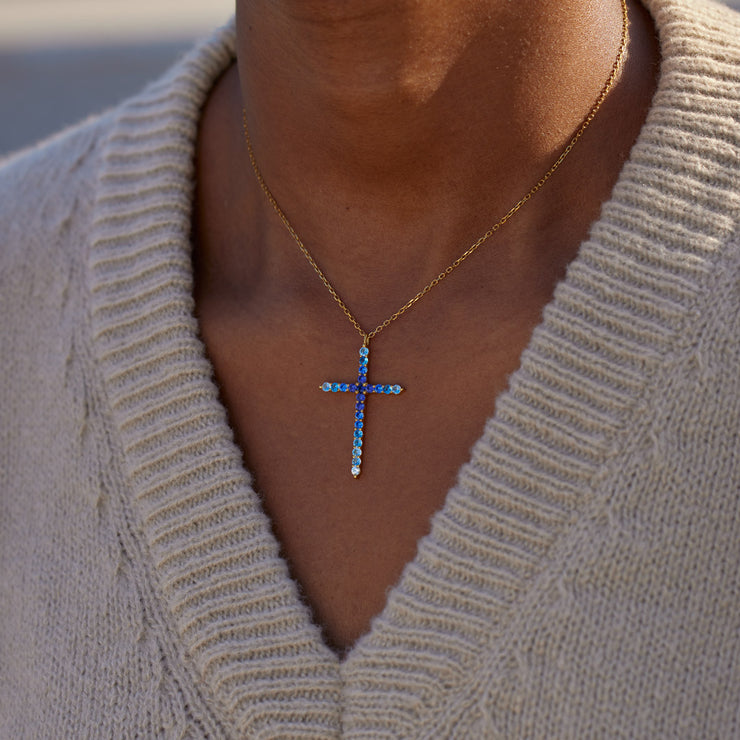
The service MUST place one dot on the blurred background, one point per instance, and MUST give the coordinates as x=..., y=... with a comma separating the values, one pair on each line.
x=61, y=60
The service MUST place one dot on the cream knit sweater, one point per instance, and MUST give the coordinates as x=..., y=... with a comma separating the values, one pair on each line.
x=583, y=577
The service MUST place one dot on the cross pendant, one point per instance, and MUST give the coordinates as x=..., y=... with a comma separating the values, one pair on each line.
x=361, y=389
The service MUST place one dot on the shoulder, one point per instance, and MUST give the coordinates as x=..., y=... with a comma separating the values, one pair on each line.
x=47, y=193
x=47, y=196
x=49, y=190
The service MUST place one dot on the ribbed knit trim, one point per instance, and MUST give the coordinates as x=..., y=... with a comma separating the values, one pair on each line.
x=538, y=467
x=214, y=559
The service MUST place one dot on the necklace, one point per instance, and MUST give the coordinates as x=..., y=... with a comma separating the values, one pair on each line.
x=361, y=387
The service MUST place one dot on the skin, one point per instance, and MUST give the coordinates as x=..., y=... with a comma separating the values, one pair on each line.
x=393, y=133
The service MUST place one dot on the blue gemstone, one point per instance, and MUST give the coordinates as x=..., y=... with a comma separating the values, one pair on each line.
x=359, y=415
x=334, y=387
x=361, y=397
x=343, y=387
x=364, y=351
x=386, y=389
x=363, y=361
x=360, y=406
x=359, y=424
x=358, y=433
x=353, y=388
x=326, y=387
x=362, y=379
x=396, y=389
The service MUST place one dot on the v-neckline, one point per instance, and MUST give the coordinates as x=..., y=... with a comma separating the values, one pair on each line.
x=242, y=627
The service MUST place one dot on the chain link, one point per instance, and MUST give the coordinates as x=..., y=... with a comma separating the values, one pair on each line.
x=367, y=336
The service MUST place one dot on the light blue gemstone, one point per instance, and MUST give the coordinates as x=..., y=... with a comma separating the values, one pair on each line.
x=364, y=351
x=356, y=461
x=356, y=451
x=396, y=389
x=358, y=433
x=334, y=387
x=355, y=470
x=386, y=389
x=326, y=387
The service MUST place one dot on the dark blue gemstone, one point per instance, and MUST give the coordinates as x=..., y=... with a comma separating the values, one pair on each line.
x=360, y=397
x=362, y=379
x=360, y=406
x=353, y=388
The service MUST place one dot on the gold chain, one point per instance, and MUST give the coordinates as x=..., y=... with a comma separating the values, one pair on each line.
x=367, y=336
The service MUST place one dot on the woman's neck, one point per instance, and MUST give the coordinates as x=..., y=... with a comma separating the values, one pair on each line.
x=382, y=91
x=402, y=129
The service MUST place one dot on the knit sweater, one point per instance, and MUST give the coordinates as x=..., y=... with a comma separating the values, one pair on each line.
x=581, y=579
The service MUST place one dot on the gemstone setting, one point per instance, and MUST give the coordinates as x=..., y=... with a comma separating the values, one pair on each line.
x=361, y=389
